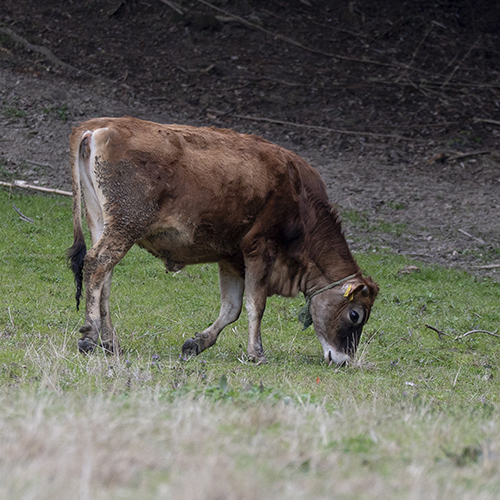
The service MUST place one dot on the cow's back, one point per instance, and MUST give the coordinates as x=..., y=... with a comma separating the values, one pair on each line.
x=212, y=158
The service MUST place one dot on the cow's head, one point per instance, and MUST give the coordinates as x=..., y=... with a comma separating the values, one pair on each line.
x=339, y=314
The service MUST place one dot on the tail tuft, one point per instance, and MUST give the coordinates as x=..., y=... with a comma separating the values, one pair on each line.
x=75, y=256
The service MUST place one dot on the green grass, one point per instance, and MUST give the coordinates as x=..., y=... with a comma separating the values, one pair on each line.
x=415, y=416
x=13, y=112
x=60, y=112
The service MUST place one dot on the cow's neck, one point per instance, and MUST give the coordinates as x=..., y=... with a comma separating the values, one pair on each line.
x=321, y=264
x=322, y=258
x=320, y=275
x=328, y=255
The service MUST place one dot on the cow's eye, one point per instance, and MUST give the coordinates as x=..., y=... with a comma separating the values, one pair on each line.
x=355, y=317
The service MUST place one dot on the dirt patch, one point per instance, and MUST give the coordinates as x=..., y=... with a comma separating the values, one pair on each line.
x=383, y=100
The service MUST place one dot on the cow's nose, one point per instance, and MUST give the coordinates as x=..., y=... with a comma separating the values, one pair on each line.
x=340, y=359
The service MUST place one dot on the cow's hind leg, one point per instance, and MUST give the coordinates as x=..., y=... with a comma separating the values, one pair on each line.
x=109, y=339
x=98, y=268
x=231, y=292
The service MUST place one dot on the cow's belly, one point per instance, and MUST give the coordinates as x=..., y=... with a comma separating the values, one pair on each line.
x=180, y=247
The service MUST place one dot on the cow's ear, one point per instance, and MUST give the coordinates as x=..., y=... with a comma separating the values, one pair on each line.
x=371, y=288
x=364, y=289
x=349, y=290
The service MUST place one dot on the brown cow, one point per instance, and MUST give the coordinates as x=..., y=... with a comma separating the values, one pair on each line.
x=191, y=195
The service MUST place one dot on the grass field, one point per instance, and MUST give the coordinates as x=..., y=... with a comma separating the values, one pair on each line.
x=416, y=416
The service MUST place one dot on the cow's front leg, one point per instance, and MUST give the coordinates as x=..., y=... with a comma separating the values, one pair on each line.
x=231, y=293
x=258, y=265
x=255, y=306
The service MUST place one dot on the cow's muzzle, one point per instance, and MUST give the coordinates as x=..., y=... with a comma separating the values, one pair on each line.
x=339, y=358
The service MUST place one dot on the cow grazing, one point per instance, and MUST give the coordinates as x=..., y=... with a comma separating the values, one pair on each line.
x=192, y=195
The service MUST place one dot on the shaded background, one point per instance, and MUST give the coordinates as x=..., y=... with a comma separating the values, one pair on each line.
x=383, y=98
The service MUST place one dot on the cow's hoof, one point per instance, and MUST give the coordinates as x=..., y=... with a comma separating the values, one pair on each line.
x=111, y=348
x=259, y=360
x=86, y=345
x=190, y=348
x=107, y=347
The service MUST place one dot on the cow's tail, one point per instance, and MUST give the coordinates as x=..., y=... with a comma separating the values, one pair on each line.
x=76, y=254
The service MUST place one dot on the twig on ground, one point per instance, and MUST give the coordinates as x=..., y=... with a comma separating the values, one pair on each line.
x=417, y=87
x=477, y=331
x=455, y=69
x=479, y=240
x=439, y=332
x=202, y=70
x=437, y=86
x=220, y=114
x=173, y=6
x=456, y=377
x=25, y=185
x=22, y=216
x=487, y=266
x=37, y=163
x=302, y=125
x=472, y=153
x=458, y=337
x=273, y=80
x=414, y=55
x=487, y=120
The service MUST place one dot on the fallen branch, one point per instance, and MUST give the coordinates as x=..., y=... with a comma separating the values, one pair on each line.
x=437, y=86
x=37, y=163
x=456, y=377
x=487, y=266
x=479, y=240
x=487, y=120
x=455, y=69
x=302, y=125
x=25, y=185
x=415, y=52
x=472, y=153
x=202, y=71
x=477, y=331
x=272, y=80
x=458, y=337
x=43, y=51
x=439, y=332
x=173, y=6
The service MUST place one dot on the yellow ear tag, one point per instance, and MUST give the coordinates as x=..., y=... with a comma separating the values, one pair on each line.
x=347, y=293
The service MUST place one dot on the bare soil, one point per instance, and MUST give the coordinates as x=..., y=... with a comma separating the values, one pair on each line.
x=397, y=104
